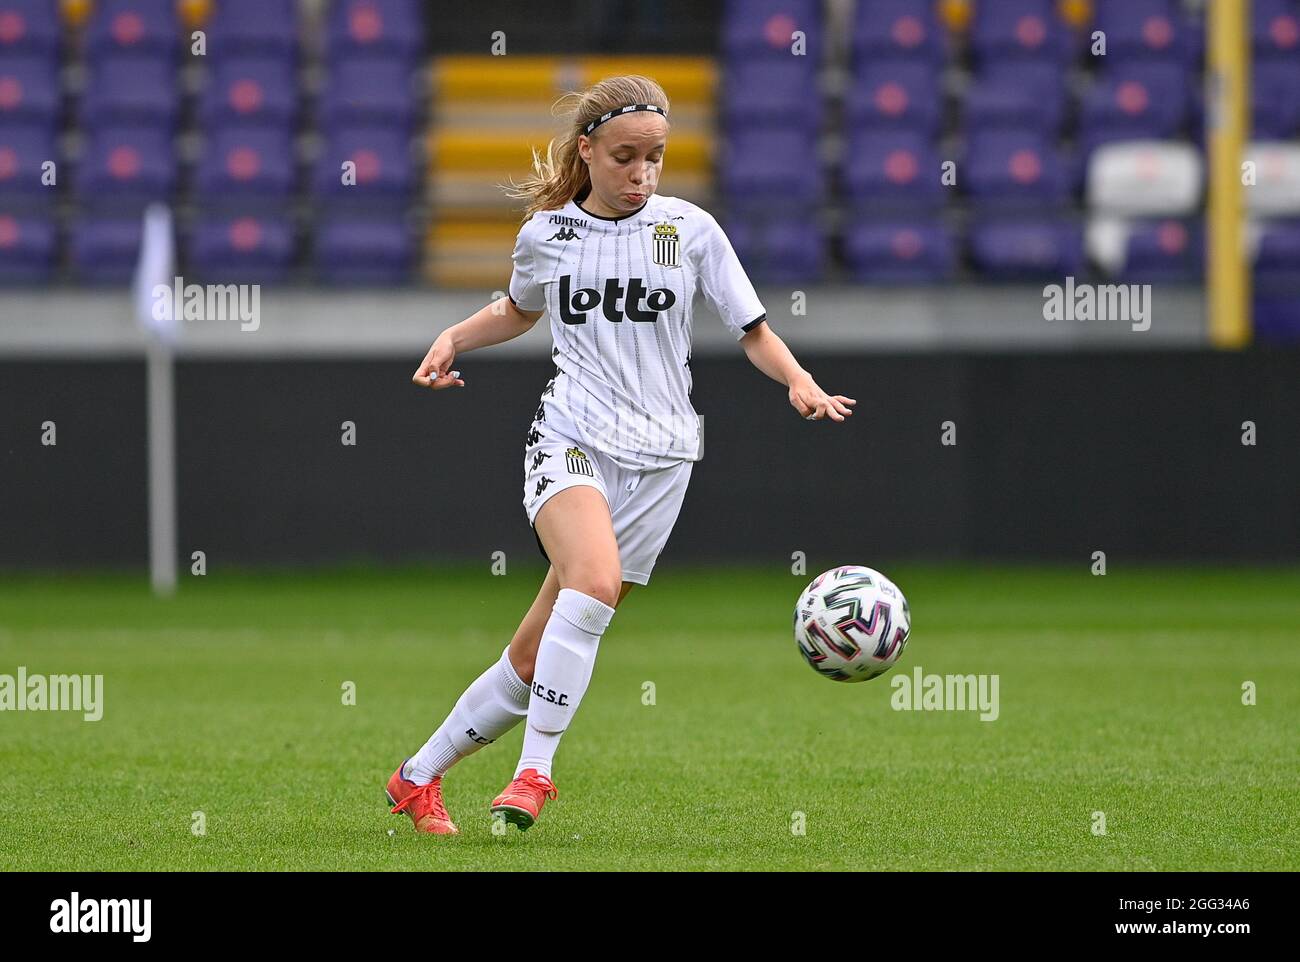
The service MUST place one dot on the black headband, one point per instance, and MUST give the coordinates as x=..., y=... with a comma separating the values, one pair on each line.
x=621, y=111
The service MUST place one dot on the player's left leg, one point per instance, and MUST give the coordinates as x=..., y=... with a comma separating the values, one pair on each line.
x=494, y=703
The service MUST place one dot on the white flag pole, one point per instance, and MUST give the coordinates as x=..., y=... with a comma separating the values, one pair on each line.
x=153, y=307
x=162, y=470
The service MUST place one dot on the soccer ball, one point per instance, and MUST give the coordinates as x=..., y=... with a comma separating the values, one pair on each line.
x=851, y=623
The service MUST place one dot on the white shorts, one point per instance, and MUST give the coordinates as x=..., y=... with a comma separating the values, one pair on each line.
x=642, y=504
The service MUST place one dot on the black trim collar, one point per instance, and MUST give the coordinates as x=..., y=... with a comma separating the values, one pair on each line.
x=614, y=220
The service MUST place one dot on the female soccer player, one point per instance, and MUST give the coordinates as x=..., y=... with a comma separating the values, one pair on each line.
x=608, y=456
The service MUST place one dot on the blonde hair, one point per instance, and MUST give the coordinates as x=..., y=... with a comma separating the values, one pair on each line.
x=562, y=175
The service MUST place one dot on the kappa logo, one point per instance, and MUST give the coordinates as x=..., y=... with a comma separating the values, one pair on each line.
x=667, y=246
x=565, y=234
x=541, y=413
x=578, y=463
x=533, y=437
x=542, y=485
x=538, y=458
x=549, y=389
x=574, y=305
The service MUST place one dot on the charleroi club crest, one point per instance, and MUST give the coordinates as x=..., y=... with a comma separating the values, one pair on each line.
x=667, y=252
x=577, y=462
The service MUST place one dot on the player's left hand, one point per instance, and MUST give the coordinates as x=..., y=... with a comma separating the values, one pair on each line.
x=814, y=404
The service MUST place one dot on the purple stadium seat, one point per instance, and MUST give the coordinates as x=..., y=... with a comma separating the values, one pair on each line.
x=900, y=251
x=376, y=28
x=1135, y=101
x=896, y=93
x=29, y=27
x=777, y=248
x=247, y=162
x=1020, y=29
x=765, y=27
x=127, y=165
x=241, y=250
x=243, y=90
x=896, y=30
x=1277, y=260
x=24, y=148
x=1144, y=30
x=370, y=92
x=1164, y=252
x=1028, y=94
x=1275, y=99
x=384, y=172
x=1015, y=167
x=29, y=90
x=104, y=250
x=254, y=28
x=1028, y=249
x=132, y=91
x=1275, y=29
x=28, y=249
x=893, y=169
x=771, y=91
x=133, y=28
x=364, y=251
x=769, y=163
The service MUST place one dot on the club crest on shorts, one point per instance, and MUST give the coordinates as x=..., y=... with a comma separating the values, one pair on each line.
x=578, y=463
x=667, y=246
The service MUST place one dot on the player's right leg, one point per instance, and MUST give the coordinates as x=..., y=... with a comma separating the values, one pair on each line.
x=576, y=530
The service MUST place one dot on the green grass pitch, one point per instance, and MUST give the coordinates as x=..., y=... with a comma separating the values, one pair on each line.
x=1119, y=694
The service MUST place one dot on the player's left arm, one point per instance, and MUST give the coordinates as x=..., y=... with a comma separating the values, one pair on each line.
x=767, y=352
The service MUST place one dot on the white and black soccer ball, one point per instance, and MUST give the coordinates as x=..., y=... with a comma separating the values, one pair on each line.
x=851, y=623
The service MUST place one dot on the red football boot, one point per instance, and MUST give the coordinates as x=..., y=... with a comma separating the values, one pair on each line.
x=521, y=803
x=422, y=802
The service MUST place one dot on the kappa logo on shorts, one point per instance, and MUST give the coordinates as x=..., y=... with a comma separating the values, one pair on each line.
x=667, y=246
x=538, y=458
x=534, y=436
x=541, y=413
x=542, y=485
x=578, y=463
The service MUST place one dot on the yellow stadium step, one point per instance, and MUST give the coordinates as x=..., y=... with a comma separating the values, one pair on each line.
x=461, y=78
x=496, y=151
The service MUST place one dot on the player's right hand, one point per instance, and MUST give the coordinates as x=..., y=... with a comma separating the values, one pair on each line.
x=435, y=370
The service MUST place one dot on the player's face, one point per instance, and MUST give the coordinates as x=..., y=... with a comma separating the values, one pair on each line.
x=625, y=157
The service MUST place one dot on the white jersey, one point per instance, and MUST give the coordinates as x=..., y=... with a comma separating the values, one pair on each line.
x=618, y=292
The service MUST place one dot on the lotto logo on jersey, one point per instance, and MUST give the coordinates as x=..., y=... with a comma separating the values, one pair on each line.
x=667, y=246
x=574, y=305
x=578, y=462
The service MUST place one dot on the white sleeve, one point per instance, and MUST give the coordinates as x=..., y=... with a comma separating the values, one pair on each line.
x=525, y=291
x=724, y=283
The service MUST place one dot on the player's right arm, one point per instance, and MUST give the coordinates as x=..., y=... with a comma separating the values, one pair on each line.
x=501, y=320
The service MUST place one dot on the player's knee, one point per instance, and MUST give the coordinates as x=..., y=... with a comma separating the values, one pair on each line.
x=524, y=669
x=603, y=586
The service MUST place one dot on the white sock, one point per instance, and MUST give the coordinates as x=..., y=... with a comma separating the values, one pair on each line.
x=565, y=660
x=492, y=705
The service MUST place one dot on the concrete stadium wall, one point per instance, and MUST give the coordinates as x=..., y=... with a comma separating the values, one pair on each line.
x=1138, y=454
